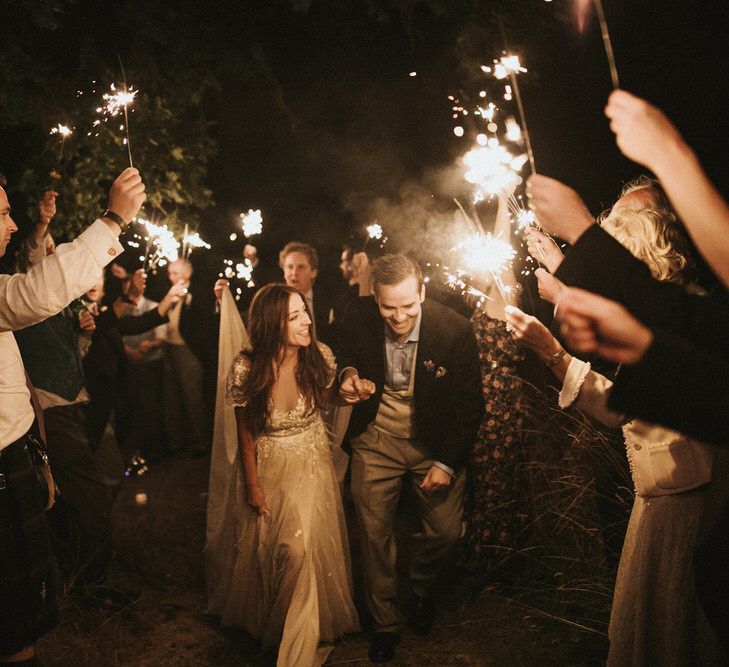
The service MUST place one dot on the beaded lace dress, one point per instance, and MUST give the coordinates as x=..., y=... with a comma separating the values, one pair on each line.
x=290, y=583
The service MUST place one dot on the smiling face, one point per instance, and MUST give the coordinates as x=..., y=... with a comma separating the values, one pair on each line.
x=400, y=305
x=7, y=226
x=298, y=272
x=298, y=329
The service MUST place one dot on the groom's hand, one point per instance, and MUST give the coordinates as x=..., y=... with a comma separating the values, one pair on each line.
x=354, y=389
x=435, y=480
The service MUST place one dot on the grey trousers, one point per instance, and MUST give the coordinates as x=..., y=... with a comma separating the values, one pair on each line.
x=380, y=465
x=183, y=400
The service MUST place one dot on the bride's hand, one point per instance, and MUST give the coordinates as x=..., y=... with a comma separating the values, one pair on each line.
x=257, y=499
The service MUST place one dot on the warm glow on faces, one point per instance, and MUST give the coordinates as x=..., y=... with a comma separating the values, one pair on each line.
x=7, y=226
x=298, y=330
x=178, y=271
x=298, y=272
x=400, y=305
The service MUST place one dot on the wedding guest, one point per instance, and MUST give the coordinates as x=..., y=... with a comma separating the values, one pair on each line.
x=144, y=353
x=105, y=364
x=423, y=360
x=289, y=583
x=28, y=590
x=496, y=510
x=667, y=314
x=300, y=265
x=645, y=135
x=656, y=625
x=186, y=340
x=597, y=262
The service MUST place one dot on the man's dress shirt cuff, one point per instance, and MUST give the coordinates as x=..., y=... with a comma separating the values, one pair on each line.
x=444, y=468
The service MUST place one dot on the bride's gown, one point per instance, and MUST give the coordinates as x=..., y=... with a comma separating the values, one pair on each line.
x=290, y=580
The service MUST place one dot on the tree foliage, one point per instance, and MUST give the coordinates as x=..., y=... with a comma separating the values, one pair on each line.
x=170, y=135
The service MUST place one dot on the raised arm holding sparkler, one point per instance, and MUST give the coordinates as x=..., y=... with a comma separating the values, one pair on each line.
x=559, y=208
x=645, y=135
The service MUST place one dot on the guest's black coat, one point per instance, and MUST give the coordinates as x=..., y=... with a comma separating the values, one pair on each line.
x=448, y=402
x=682, y=394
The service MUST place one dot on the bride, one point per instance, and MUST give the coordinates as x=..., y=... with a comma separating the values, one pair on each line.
x=289, y=583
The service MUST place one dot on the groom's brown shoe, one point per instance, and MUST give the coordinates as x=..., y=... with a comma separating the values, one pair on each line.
x=382, y=648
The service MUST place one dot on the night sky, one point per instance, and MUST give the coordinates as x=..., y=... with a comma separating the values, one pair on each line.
x=319, y=124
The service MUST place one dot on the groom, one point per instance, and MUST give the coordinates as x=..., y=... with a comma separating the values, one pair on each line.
x=423, y=360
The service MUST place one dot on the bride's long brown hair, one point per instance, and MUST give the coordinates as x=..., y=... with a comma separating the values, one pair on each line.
x=268, y=321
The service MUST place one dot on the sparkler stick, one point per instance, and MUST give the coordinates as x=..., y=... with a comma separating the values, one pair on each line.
x=126, y=115
x=64, y=132
x=607, y=43
x=517, y=93
x=522, y=115
x=476, y=223
x=185, y=242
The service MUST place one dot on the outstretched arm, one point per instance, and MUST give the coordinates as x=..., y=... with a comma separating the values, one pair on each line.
x=645, y=135
x=52, y=284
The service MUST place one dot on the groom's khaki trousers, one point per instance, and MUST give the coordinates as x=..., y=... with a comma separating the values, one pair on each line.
x=381, y=464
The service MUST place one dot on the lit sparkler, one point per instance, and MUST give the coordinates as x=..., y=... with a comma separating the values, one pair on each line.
x=161, y=245
x=252, y=222
x=510, y=66
x=64, y=132
x=117, y=102
x=374, y=231
x=492, y=168
x=240, y=271
x=487, y=256
x=190, y=241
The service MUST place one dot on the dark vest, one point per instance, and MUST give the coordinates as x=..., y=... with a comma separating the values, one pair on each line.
x=50, y=355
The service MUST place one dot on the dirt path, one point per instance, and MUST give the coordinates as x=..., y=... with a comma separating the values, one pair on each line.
x=159, y=553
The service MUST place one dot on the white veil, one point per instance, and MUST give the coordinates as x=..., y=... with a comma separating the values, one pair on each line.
x=226, y=495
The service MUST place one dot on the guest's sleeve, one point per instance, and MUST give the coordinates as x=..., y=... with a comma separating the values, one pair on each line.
x=600, y=264
x=328, y=355
x=29, y=298
x=678, y=386
x=130, y=325
x=588, y=391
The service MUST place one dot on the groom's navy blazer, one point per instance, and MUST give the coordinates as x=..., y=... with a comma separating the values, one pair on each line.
x=448, y=397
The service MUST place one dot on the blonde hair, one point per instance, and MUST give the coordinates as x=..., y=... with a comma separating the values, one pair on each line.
x=652, y=234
